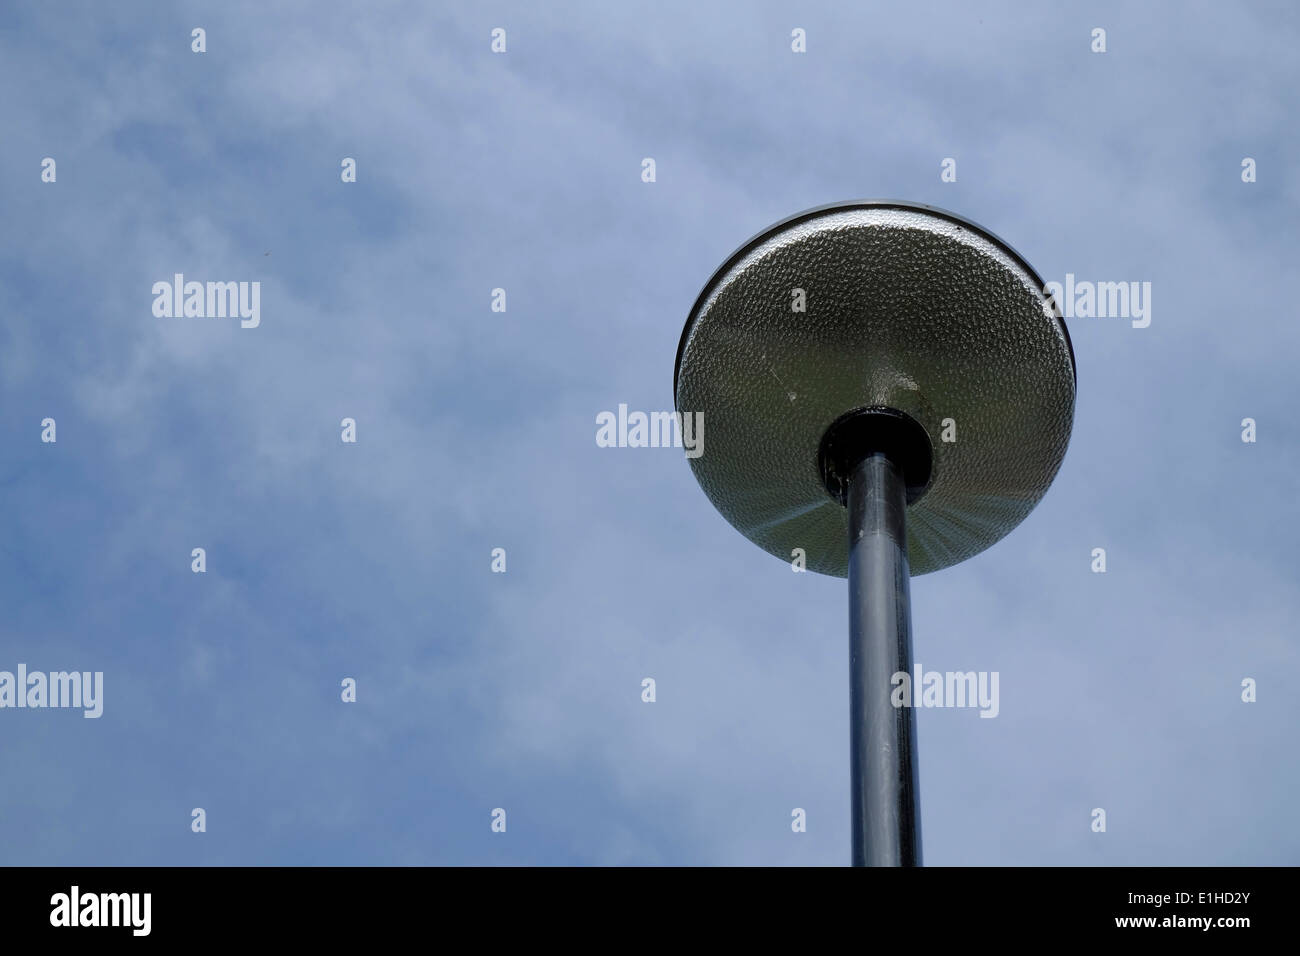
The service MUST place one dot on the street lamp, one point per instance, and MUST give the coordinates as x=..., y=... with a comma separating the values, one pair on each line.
x=889, y=390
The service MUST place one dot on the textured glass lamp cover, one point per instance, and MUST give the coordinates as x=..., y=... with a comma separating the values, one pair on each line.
x=876, y=304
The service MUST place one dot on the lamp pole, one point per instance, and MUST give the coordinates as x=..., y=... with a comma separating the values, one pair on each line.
x=886, y=814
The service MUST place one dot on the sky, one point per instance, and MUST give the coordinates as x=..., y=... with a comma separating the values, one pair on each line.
x=475, y=430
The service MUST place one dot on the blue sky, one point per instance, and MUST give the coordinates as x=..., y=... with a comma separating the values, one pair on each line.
x=476, y=430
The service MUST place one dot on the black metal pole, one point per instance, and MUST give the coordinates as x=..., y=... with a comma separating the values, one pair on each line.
x=886, y=811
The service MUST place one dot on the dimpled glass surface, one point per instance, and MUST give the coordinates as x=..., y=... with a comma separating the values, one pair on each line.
x=906, y=308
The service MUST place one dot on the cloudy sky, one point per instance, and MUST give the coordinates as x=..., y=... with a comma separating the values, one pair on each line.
x=476, y=430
